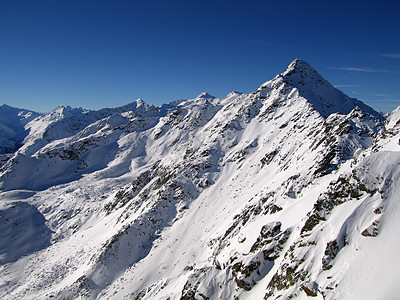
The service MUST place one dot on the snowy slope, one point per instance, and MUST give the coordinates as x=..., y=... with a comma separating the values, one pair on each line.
x=12, y=127
x=287, y=191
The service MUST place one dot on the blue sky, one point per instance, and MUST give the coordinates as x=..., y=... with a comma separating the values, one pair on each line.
x=97, y=54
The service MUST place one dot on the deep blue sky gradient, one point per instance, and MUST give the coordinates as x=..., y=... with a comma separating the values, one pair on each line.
x=97, y=54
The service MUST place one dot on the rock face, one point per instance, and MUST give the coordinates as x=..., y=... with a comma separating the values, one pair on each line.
x=288, y=191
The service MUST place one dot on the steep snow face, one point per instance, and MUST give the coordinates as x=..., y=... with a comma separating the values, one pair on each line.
x=392, y=124
x=367, y=243
x=389, y=138
x=281, y=192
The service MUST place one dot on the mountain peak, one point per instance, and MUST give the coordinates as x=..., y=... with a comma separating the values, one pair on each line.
x=66, y=111
x=311, y=86
x=139, y=105
x=140, y=102
x=205, y=95
x=300, y=71
x=298, y=65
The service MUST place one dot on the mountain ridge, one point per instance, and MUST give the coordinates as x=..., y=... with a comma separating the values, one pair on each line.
x=253, y=196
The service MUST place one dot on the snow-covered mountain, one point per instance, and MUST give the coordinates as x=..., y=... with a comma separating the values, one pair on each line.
x=291, y=190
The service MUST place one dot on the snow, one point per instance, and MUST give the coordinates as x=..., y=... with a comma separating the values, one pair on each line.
x=12, y=127
x=23, y=231
x=368, y=267
x=308, y=83
x=206, y=197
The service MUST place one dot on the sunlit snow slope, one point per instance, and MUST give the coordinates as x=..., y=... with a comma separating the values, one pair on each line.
x=291, y=190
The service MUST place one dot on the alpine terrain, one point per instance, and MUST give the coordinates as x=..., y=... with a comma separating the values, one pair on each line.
x=289, y=192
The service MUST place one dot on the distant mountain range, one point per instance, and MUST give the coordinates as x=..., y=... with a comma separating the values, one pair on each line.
x=288, y=192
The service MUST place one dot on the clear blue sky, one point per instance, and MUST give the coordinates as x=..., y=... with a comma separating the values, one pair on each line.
x=97, y=54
